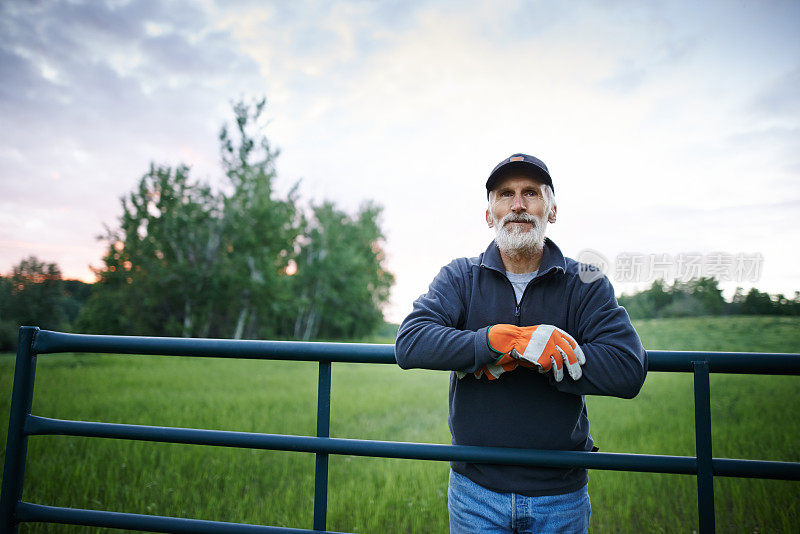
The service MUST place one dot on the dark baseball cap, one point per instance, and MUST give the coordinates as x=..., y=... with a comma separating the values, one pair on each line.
x=519, y=163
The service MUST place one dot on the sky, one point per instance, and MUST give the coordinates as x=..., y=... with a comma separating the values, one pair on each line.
x=671, y=129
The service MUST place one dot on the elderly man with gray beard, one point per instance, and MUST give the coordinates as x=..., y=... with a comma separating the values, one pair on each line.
x=508, y=323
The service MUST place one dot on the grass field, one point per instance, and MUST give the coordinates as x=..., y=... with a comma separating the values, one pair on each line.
x=752, y=417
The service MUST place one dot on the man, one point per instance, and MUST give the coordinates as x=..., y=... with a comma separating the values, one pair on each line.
x=509, y=323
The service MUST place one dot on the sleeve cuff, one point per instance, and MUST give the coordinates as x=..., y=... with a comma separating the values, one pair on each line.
x=484, y=355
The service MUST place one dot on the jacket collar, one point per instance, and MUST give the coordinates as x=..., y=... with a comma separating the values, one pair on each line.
x=552, y=258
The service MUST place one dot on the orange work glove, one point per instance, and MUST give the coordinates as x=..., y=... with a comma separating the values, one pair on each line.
x=493, y=371
x=545, y=346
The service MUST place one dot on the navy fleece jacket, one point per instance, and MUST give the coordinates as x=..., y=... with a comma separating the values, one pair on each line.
x=447, y=330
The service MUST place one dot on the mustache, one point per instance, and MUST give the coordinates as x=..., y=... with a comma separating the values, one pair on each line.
x=519, y=217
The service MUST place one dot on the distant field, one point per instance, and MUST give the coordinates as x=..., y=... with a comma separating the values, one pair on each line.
x=752, y=417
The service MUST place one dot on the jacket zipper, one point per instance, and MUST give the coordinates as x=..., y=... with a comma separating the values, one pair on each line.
x=518, y=306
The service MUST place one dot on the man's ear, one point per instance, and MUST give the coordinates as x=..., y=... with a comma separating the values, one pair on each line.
x=552, y=217
x=489, y=218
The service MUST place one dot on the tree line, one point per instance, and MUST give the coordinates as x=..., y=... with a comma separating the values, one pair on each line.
x=702, y=296
x=238, y=261
x=34, y=293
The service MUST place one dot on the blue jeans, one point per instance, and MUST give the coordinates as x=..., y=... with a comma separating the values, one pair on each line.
x=475, y=509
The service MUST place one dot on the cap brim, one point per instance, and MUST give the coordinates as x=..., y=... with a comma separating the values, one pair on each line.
x=523, y=167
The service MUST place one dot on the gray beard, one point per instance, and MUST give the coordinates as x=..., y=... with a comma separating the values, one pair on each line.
x=515, y=241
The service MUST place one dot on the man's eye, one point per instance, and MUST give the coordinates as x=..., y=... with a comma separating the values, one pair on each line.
x=506, y=194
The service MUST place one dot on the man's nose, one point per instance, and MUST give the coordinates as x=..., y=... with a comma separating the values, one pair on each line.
x=519, y=203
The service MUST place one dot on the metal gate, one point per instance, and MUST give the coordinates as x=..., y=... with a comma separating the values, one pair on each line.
x=22, y=424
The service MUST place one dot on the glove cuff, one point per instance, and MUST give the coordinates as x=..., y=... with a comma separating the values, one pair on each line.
x=494, y=350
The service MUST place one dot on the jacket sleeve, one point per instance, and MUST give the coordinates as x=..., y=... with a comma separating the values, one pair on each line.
x=616, y=362
x=429, y=338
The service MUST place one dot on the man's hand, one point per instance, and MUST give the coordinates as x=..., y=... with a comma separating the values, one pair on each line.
x=546, y=346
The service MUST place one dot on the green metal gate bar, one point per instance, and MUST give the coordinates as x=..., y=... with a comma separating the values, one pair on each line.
x=22, y=424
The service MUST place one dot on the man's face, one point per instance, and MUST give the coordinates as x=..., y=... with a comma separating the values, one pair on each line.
x=519, y=210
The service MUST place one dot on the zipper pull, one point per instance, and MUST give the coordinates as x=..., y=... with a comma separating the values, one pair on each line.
x=516, y=311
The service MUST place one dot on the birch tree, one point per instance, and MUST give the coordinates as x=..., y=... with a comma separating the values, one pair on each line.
x=243, y=261
x=341, y=281
x=162, y=260
x=259, y=228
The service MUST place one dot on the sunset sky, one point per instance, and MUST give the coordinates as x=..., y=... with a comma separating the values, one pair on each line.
x=672, y=131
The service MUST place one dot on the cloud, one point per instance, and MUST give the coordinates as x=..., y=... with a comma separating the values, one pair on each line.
x=780, y=98
x=92, y=92
x=107, y=73
x=639, y=109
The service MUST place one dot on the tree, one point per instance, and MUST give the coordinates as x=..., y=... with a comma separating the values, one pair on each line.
x=8, y=325
x=160, y=260
x=648, y=303
x=259, y=229
x=702, y=296
x=694, y=298
x=757, y=303
x=36, y=295
x=186, y=260
x=707, y=293
x=340, y=281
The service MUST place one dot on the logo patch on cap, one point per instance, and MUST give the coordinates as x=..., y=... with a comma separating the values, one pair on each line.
x=516, y=158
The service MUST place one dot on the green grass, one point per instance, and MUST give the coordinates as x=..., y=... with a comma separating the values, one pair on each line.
x=752, y=417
